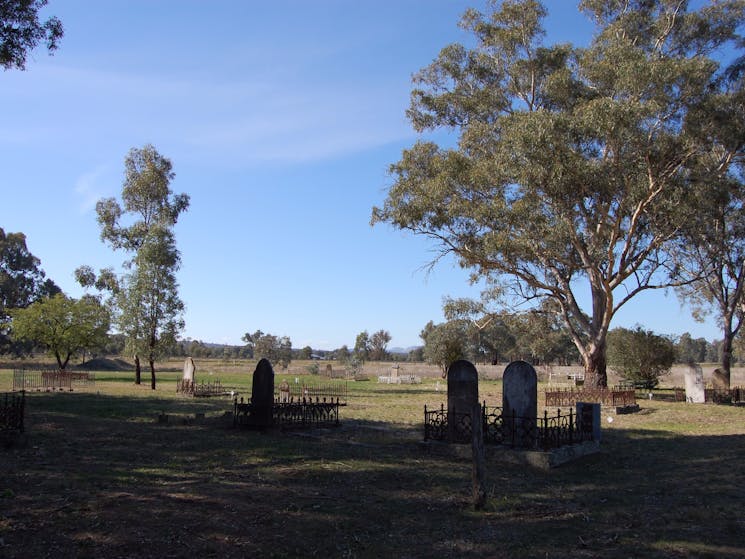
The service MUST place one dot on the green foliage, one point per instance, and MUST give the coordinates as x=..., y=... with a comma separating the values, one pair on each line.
x=569, y=173
x=361, y=350
x=378, y=343
x=149, y=310
x=445, y=343
x=639, y=355
x=21, y=31
x=22, y=281
x=688, y=350
x=342, y=354
x=64, y=326
x=312, y=368
x=277, y=349
x=353, y=367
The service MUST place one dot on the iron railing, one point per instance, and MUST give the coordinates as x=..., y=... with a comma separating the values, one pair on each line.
x=605, y=396
x=300, y=413
x=544, y=433
x=50, y=380
x=311, y=390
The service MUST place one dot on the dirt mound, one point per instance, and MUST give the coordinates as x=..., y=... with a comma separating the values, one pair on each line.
x=105, y=364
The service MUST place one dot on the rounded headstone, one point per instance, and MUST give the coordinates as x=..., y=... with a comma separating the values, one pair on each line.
x=463, y=393
x=520, y=402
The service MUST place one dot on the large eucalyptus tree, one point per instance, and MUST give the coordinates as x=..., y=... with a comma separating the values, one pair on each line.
x=568, y=177
x=146, y=295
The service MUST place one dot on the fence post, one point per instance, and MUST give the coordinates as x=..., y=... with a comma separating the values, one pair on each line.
x=479, y=461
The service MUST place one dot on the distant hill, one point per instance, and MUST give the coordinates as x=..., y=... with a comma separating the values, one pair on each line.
x=404, y=350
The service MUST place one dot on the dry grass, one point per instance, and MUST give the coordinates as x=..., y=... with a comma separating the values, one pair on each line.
x=101, y=477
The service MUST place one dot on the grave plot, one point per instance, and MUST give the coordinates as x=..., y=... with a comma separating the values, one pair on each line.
x=514, y=425
x=264, y=411
x=49, y=380
x=187, y=384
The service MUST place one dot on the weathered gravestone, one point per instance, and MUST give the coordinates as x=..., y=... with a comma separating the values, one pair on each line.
x=284, y=392
x=463, y=394
x=588, y=419
x=519, y=404
x=719, y=380
x=694, y=379
x=189, y=369
x=262, y=395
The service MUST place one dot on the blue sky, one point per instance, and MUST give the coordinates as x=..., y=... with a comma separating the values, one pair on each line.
x=281, y=119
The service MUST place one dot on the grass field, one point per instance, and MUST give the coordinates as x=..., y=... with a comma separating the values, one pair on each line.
x=101, y=477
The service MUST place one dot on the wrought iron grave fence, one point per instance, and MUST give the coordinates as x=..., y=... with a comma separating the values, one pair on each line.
x=538, y=433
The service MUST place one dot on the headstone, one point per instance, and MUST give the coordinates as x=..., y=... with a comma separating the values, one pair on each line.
x=189, y=369
x=719, y=380
x=329, y=370
x=463, y=394
x=694, y=379
x=262, y=395
x=284, y=392
x=519, y=404
x=394, y=373
x=588, y=419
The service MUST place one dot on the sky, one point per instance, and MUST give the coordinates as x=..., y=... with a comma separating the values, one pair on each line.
x=281, y=120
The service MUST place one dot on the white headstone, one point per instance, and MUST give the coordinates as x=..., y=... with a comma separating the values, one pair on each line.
x=694, y=378
x=189, y=369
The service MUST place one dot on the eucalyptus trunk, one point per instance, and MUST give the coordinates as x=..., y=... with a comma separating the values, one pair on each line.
x=726, y=361
x=595, y=364
x=151, y=361
x=138, y=370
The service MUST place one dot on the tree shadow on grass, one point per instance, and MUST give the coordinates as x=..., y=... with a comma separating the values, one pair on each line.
x=93, y=482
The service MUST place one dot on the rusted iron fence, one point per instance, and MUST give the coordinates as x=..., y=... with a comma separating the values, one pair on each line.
x=12, y=409
x=202, y=389
x=297, y=413
x=734, y=395
x=311, y=390
x=537, y=433
x=605, y=396
x=50, y=380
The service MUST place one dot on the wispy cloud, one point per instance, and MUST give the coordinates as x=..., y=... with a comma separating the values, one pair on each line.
x=272, y=119
x=92, y=186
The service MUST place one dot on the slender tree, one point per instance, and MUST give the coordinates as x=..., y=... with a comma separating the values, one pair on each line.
x=361, y=350
x=570, y=162
x=146, y=295
x=710, y=250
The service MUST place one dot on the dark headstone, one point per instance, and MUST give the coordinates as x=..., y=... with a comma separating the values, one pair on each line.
x=463, y=394
x=519, y=404
x=262, y=394
x=588, y=419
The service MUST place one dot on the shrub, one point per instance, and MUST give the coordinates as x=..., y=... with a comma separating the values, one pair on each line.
x=639, y=355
